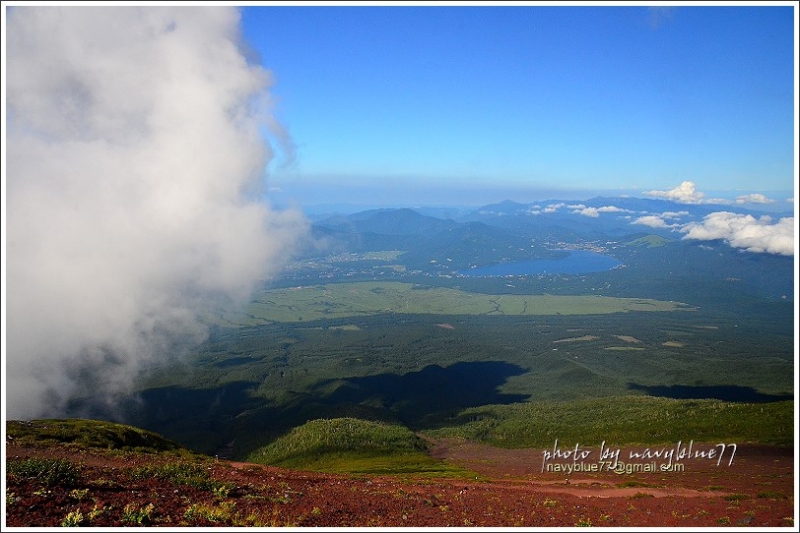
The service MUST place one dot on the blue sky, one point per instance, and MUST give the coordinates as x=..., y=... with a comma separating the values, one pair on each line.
x=429, y=103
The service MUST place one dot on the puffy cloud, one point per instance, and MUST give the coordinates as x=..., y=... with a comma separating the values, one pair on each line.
x=581, y=209
x=552, y=208
x=135, y=161
x=660, y=220
x=746, y=232
x=755, y=198
x=594, y=212
x=613, y=209
x=654, y=221
x=684, y=193
x=588, y=212
x=674, y=214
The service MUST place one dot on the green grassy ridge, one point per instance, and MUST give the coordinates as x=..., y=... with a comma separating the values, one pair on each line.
x=649, y=241
x=417, y=464
x=623, y=420
x=85, y=433
x=336, y=435
x=343, y=300
x=354, y=446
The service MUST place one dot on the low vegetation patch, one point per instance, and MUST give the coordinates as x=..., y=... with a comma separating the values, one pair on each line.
x=623, y=420
x=48, y=471
x=772, y=495
x=344, y=300
x=353, y=445
x=81, y=433
x=137, y=514
x=181, y=473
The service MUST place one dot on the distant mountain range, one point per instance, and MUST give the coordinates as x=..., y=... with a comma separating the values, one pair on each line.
x=647, y=234
x=597, y=218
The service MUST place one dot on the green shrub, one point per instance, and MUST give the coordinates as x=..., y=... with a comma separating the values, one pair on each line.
x=772, y=495
x=48, y=471
x=223, y=512
x=74, y=519
x=133, y=514
x=735, y=497
x=180, y=473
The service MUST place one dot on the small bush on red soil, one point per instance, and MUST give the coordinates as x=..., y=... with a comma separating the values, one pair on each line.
x=772, y=495
x=48, y=471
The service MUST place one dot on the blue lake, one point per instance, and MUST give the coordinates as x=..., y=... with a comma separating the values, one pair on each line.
x=577, y=262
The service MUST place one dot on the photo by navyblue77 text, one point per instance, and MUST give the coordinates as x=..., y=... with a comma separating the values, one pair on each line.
x=651, y=459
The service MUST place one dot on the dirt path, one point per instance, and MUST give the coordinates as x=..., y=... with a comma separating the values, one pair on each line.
x=751, y=467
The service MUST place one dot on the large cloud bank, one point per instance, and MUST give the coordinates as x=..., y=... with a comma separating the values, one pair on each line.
x=746, y=232
x=759, y=235
x=134, y=162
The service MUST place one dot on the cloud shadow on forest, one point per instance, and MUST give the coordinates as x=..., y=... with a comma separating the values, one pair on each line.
x=200, y=419
x=727, y=393
x=420, y=398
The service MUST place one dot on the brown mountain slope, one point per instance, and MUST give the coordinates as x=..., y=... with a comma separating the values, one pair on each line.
x=63, y=484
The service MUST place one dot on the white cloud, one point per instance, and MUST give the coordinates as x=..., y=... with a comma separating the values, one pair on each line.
x=134, y=155
x=661, y=220
x=613, y=209
x=755, y=198
x=581, y=209
x=552, y=208
x=674, y=214
x=746, y=232
x=588, y=212
x=720, y=201
x=654, y=221
x=685, y=193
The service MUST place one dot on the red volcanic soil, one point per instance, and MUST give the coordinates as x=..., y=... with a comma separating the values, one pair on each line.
x=756, y=490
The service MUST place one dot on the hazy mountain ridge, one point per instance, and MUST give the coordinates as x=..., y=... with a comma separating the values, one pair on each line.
x=594, y=218
x=511, y=232
x=604, y=215
x=403, y=221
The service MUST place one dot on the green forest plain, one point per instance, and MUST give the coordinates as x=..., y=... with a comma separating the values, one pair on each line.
x=446, y=363
x=358, y=359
